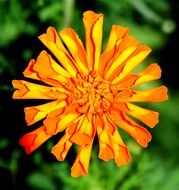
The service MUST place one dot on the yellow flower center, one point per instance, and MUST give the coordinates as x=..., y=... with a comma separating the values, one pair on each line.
x=92, y=94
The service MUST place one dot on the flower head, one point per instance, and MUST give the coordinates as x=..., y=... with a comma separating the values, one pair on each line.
x=91, y=93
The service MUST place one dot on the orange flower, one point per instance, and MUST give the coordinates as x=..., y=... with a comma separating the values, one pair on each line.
x=90, y=92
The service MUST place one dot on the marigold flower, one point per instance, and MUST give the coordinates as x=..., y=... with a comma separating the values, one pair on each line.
x=91, y=93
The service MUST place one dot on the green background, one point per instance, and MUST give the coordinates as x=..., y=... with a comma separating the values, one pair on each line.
x=151, y=22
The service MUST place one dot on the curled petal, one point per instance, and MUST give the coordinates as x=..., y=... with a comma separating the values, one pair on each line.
x=140, y=134
x=137, y=57
x=85, y=132
x=105, y=147
x=80, y=166
x=152, y=72
x=57, y=124
x=75, y=46
x=31, y=141
x=149, y=117
x=52, y=40
x=36, y=113
x=47, y=70
x=151, y=95
x=93, y=30
x=28, y=90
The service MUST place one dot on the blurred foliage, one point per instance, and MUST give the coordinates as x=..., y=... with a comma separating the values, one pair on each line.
x=152, y=23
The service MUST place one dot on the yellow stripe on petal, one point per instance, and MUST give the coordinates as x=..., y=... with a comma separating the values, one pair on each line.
x=93, y=24
x=75, y=46
x=120, y=59
x=148, y=117
x=36, y=113
x=31, y=141
x=81, y=164
x=132, y=63
x=52, y=41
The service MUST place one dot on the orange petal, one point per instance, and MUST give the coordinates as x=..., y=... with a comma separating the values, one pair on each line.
x=151, y=95
x=121, y=153
x=76, y=48
x=61, y=149
x=36, y=113
x=47, y=70
x=149, y=117
x=80, y=166
x=137, y=57
x=85, y=132
x=34, y=139
x=105, y=147
x=28, y=90
x=52, y=41
x=117, y=34
x=151, y=73
x=112, y=49
x=140, y=134
x=57, y=124
x=93, y=24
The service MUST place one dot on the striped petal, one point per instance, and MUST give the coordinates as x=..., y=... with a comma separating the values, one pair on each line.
x=46, y=70
x=81, y=164
x=75, y=46
x=148, y=117
x=93, y=24
x=52, y=41
x=140, y=134
x=137, y=57
x=85, y=132
x=151, y=95
x=59, y=123
x=28, y=90
x=31, y=141
x=61, y=149
x=151, y=73
x=36, y=113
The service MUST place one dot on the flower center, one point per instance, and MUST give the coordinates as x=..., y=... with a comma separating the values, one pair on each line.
x=91, y=95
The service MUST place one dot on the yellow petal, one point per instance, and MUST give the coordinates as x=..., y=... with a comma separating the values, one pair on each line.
x=52, y=41
x=28, y=90
x=151, y=73
x=80, y=166
x=149, y=117
x=57, y=124
x=140, y=134
x=61, y=149
x=132, y=62
x=93, y=37
x=36, y=113
x=75, y=46
x=116, y=34
x=120, y=59
x=150, y=95
x=105, y=147
x=85, y=132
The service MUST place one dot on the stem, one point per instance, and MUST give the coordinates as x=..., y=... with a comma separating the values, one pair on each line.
x=68, y=12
